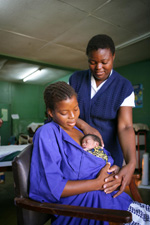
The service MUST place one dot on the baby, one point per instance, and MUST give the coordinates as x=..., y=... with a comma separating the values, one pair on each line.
x=92, y=144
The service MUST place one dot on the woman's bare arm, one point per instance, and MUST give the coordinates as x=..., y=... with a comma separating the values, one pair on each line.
x=82, y=186
x=127, y=141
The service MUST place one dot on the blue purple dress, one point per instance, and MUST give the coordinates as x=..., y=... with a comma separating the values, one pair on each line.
x=56, y=159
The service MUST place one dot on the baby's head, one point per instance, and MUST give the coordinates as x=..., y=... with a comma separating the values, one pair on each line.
x=90, y=141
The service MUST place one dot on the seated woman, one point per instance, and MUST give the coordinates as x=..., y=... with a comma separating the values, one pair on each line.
x=62, y=172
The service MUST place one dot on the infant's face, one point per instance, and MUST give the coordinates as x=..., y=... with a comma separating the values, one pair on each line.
x=88, y=143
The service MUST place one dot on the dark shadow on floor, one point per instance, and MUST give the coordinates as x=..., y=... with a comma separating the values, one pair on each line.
x=7, y=207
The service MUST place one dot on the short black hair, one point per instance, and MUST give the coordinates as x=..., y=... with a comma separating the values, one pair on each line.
x=100, y=41
x=95, y=138
x=57, y=92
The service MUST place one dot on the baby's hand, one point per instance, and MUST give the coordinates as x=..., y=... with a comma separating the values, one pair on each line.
x=114, y=169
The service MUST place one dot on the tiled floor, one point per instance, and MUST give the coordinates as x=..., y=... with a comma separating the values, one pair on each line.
x=8, y=212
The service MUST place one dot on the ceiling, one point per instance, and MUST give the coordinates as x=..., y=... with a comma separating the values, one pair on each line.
x=52, y=35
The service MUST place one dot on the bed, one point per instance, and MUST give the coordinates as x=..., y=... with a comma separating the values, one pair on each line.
x=7, y=154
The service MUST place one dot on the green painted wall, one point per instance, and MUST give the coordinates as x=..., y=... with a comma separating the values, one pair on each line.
x=25, y=100
x=65, y=79
x=139, y=73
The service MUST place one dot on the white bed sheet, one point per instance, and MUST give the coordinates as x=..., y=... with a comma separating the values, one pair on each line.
x=8, y=149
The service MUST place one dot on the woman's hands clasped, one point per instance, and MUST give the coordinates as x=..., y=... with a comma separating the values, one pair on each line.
x=118, y=178
x=109, y=182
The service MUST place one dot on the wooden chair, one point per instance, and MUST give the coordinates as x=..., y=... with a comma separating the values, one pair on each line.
x=31, y=212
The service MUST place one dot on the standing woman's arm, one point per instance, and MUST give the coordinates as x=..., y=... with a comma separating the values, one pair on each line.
x=127, y=141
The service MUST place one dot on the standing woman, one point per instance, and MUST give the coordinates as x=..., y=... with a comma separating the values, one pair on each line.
x=105, y=101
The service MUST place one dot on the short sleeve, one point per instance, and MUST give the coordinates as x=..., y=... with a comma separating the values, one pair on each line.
x=129, y=101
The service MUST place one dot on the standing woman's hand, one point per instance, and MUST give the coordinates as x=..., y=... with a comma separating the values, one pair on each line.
x=125, y=175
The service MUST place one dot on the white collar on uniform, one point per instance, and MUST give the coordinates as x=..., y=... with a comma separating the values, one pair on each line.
x=94, y=88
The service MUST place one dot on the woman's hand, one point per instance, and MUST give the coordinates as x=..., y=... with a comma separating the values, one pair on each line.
x=125, y=175
x=103, y=176
x=122, y=178
x=112, y=182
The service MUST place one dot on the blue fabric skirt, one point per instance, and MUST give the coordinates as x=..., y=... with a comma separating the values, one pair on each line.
x=95, y=199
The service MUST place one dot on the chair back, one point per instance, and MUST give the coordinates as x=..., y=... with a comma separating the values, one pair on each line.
x=21, y=173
